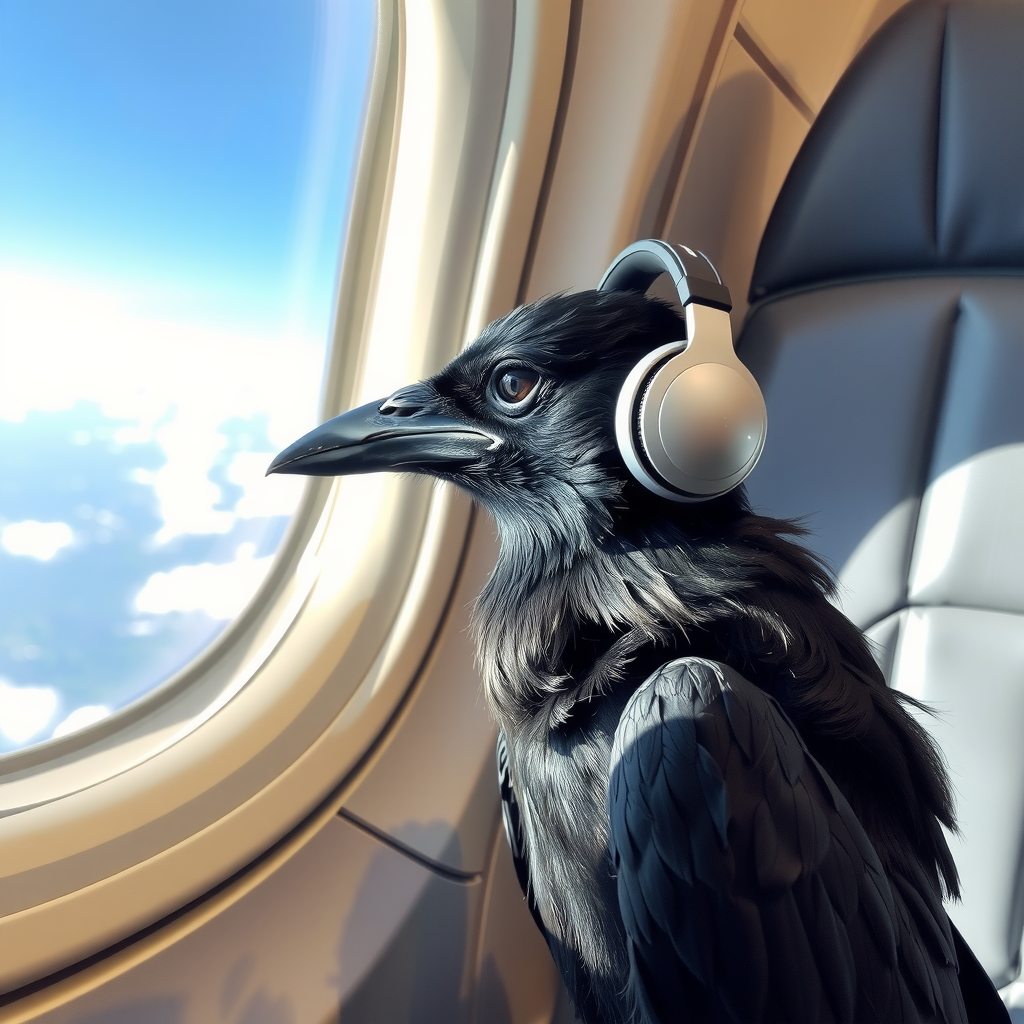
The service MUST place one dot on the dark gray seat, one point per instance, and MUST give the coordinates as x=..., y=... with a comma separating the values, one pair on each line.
x=887, y=332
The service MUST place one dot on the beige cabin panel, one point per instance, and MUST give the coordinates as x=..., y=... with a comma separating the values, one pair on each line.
x=636, y=70
x=808, y=41
x=749, y=136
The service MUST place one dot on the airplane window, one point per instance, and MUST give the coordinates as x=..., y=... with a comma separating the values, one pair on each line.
x=174, y=180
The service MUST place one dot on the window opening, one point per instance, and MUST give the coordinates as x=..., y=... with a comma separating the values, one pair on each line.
x=174, y=181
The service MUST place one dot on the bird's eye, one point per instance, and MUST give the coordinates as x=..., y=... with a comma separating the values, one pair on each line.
x=514, y=384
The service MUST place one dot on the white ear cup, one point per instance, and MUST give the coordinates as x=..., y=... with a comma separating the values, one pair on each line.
x=690, y=419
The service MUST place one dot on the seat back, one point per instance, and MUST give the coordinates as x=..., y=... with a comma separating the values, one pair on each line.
x=887, y=334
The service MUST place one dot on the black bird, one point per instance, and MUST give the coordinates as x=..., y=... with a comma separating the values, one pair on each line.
x=723, y=811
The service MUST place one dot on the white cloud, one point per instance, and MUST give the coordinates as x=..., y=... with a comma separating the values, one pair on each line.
x=186, y=494
x=133, y=435
x=25, y=710
x=80, y=718
x=264, y=495
x=173, y=383
x=33, y=539
x=221, y=591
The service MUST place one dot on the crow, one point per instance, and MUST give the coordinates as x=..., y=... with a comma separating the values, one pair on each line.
x=720, y=810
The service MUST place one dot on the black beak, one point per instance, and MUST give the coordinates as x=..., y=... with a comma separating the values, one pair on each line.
x=403, y=433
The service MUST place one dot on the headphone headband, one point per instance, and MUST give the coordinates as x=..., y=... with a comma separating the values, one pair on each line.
x=690, y=420
x=637, y=267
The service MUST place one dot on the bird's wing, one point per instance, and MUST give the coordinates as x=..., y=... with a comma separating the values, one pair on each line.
x=748, y=888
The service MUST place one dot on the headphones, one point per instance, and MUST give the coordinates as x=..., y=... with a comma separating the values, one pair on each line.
x=690, y=419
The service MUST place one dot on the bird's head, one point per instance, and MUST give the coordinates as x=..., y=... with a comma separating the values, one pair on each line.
x=522, y=419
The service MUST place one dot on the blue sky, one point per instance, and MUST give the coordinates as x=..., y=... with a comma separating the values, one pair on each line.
x=174, y=181
x=169, y=144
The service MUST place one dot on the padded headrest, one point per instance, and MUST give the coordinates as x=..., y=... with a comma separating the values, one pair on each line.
x=916, y=161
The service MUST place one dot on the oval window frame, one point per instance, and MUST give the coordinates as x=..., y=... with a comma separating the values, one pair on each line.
x=198, y=780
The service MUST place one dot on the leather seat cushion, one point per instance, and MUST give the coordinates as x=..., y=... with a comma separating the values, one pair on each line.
x=914, y=162
x=878, y=394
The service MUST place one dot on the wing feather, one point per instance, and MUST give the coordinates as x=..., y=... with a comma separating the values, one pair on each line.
x=748, y=889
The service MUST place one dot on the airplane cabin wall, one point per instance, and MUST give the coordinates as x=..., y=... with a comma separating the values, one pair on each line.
x=682, y=124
